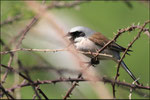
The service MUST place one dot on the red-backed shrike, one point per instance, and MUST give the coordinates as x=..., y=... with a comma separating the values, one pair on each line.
x=85, y=39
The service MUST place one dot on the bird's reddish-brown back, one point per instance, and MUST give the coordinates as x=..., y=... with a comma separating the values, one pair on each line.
x=99, y=39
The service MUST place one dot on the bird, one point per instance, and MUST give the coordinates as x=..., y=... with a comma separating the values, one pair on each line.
x=85, y=39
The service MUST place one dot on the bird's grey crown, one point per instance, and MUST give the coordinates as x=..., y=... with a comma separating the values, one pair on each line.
x=83, y=29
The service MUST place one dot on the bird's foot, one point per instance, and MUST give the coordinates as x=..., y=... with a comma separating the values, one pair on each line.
x=95, y=61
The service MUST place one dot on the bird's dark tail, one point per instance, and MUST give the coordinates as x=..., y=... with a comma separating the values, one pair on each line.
x=129, y=72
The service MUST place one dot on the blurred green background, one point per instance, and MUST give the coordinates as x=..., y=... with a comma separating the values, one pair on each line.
x=102, y=16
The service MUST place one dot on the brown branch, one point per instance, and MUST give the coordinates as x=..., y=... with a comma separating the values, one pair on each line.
x=40, y=91
x=11, y=20
x=72, y=87
x=129, y=29
x=104, y=79
x=9, y=62
x=120, y=31
x=31, y=82
x=69, y=92
x=12, y=69
x=54, y=4
x=49, y=68
x=125, y=52
x=27, y=77
x=62, y=4
x=54, y=50
x=6, y=93
x=38, y=50
x=23, y=33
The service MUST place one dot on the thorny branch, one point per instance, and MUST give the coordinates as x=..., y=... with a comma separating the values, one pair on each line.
x=44, y=95
x=75, y=84
x=51, y=50
x=125, y=52
x=22, y=34
x=131, y=90
x=129, y=29
x=6, y=93
x=121, y=31
x=104, y=79
x=11, y=20
x=35, y=84
x=56, y=4
x=72, y=87
x=31, y=82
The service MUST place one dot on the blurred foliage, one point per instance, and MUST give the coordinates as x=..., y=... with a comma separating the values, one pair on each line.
x=13, y=8
x=106, y=17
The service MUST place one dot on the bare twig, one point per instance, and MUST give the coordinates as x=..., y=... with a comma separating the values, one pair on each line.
x=104, y=79
x=61, y=4
x=39, y=50
x=120, y=31
x=11, y=20
x=53, y=50
x=23, y=33
x=12, y=69
x=6, y=93
x=131, y=90
x=40, y=91
x=125, y=52
x=34, y=84
x=31, y=82
x=9, y=64
x=72, y=87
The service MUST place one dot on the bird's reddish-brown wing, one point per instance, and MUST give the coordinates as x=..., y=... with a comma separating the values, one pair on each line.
x=101, y=40
x=98, y=39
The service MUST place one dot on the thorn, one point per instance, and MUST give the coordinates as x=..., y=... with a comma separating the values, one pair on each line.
x=54, y=83
x=77, y=84
x=124, y=80
x=71, y=81
x=119, y=29
x=38, y=80
x=82, y=78
x=147, y=84
x=13, y=90
x=114, y=33
x=142, y=84
x=133, y=24
x=130, y=29
x=138, y=23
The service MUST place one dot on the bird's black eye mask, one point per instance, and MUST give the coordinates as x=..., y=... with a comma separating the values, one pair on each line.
x=76, y=34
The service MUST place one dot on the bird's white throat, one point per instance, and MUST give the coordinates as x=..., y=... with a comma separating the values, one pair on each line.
x=84, y=44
